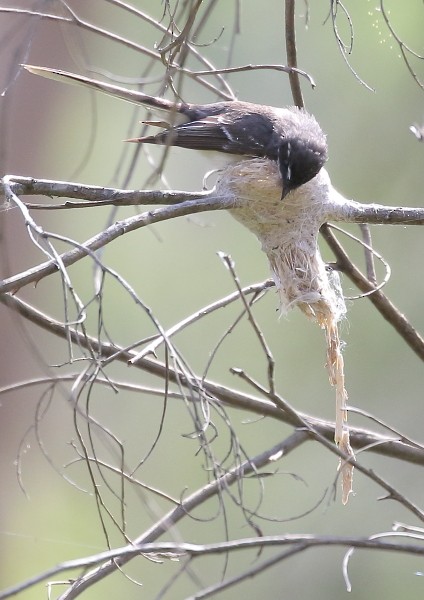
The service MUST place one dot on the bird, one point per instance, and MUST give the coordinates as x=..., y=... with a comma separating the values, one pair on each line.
x=290, y=136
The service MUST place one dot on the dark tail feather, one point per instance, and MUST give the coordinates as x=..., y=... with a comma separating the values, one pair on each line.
x=107, y=88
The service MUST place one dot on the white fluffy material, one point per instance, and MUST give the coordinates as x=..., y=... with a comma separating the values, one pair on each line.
x=288, y=232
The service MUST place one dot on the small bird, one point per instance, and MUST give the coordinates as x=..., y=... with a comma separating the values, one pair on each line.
x=289, y=136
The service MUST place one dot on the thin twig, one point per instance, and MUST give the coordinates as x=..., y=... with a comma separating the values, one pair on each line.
x=369, y=256
x=291, y=51
x=262, y=341
x=266, y=67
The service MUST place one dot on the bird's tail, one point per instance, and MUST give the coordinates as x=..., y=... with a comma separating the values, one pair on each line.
x=107, y=88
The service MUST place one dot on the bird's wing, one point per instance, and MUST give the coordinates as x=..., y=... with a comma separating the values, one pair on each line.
x=225, y=132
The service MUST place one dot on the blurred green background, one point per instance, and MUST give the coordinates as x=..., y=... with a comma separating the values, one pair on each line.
x=57, y=132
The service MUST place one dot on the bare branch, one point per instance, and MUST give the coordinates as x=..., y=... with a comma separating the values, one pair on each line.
x=96, y=195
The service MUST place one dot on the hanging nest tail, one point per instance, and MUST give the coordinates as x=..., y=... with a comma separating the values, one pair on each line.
x=288, y=231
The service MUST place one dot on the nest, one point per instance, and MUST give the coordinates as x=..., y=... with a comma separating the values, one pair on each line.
x=288, y=232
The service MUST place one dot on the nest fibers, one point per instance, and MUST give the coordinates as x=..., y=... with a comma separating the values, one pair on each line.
x=288, y=232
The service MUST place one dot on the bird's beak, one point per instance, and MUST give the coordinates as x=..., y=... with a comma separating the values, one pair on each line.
x=286, y=190
x=287, y=187
x=286, y=172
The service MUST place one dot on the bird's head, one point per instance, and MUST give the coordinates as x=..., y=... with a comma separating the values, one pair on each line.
x=299, y=160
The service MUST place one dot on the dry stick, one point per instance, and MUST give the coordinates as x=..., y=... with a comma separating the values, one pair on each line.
x=345, y=49
x=265, y=348
x=182, y=38
x=286, y=413
x=114, y=559
x=137, y=47
x=251, y=572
